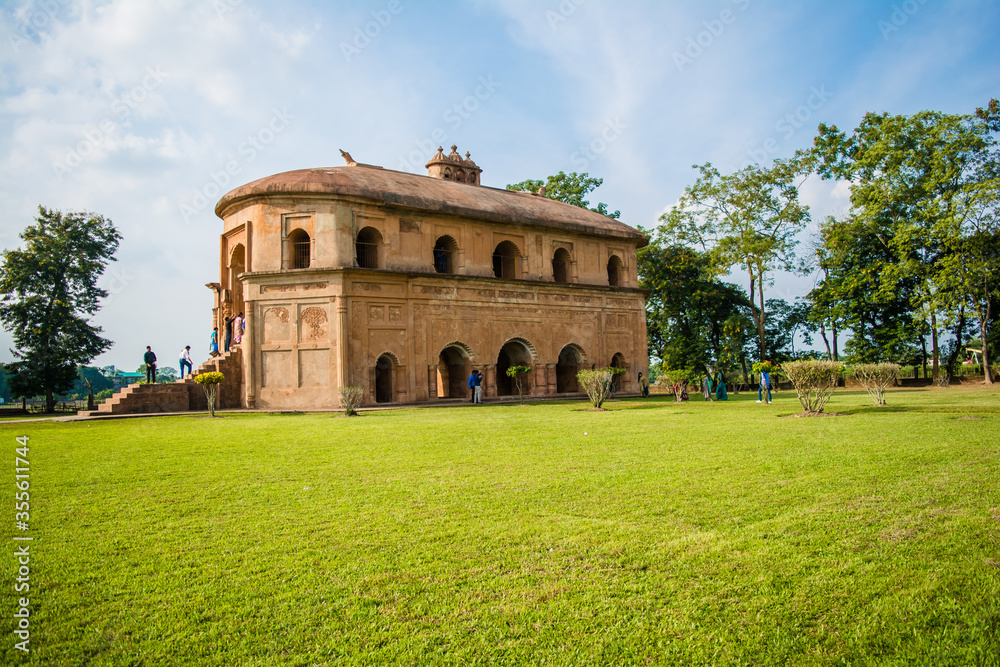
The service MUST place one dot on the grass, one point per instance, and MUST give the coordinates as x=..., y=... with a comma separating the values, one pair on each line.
x=655, y=533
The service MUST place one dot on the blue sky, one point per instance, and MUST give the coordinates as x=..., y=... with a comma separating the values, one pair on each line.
x=136, y=109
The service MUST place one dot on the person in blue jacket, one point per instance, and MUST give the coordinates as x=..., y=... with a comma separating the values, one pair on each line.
x=765, y=383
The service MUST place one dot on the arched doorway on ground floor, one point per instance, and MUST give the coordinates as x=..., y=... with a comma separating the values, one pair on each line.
x=384, y=386
x=453, y=370
x=570, y=362
x=514, y=352
x=618, y=361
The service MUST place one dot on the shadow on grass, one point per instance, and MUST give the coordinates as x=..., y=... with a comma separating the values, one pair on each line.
x=962, y=410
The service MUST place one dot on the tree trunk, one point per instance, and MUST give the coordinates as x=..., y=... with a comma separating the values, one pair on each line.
x=923, y=349
x=836, y=356
x=986, y=354
x=50, y=401
x=935, y=352
x=959, y=330
x=822, y=332
x=743, y=362
x=760, y=317
x=984, y=318
x=757, y=315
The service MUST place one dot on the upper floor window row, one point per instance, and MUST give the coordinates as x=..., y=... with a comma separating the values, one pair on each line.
x=506, y=257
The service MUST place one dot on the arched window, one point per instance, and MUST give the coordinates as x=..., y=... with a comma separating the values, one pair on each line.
x=367, y=248
x=560, y=266
x=299, y=246
x=444, y=254
x=505, y=260
x=237, y=265
x=615, y=269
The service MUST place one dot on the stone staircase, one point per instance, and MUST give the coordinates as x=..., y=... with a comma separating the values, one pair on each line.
x=180, y=395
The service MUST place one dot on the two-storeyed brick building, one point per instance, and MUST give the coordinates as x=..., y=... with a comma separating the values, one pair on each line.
x=402, y=284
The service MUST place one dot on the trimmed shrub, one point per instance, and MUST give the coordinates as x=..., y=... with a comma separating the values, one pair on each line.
x=875, y=378
x=350, y=398
x=600, y=385
x=814, y=382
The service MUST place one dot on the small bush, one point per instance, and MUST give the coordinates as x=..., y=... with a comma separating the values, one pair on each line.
x=104, y=395
x=814, y=382
x=350, y=398
x=600, y=385
x=875, y=378
x=676, y=380
x=210, y=383
x=517, y=373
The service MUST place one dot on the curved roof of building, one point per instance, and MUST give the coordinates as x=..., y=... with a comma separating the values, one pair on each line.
x=433, y=195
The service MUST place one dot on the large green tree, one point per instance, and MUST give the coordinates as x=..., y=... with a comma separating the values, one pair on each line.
x=858, y=290
x=929, y=183
x=48, y=291
x=748, y=219
x=687, y=307
x=571, y=188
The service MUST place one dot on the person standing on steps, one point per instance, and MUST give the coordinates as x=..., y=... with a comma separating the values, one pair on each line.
x=185, y=360
x=150, y=359
x=213, y=345
x=238, y=329
x=229, y=331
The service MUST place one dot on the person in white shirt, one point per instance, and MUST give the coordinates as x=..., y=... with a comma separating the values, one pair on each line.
x=185, y=359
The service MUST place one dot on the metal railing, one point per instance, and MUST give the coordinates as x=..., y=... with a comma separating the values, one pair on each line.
x=300, y=254
x=367, y=255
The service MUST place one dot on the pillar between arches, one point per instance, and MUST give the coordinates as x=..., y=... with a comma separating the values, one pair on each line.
x=491, y=381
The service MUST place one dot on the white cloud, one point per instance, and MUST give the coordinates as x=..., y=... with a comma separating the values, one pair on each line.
x=185, y=83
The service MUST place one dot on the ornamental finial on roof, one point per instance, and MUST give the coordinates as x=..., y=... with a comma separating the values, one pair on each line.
x=452, y=167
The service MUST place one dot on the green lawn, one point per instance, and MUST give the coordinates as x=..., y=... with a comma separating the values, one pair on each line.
x=654, y=533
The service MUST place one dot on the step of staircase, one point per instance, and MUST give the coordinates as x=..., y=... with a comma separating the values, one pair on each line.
x=180, y=395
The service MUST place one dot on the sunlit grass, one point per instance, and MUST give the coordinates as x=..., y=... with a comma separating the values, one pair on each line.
x=655, y=533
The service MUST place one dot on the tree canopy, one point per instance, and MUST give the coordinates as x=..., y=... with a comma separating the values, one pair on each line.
x=48, y=290
x=749, y=219
x=687, y=307
x=927, y=187
x=571, y=188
